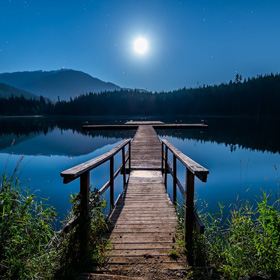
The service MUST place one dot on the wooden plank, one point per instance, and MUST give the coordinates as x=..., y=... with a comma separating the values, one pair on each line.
x=100, y=275
x=142, y=252
x=143, y=204
x=145, y=212
x=149, y=224
x=154, y=229
x=147, y=265
x=135, y=126
x=110, y=127
x=139, y=246
x=147, y=239
x=144, y=260
x=181, y=126
x=142, y=235
x=145, y=215
x=148, y=220
x=143, y=122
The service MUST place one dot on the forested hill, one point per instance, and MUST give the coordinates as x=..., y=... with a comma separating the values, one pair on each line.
x=7, y=91
x=255, y=96
x=63, y=84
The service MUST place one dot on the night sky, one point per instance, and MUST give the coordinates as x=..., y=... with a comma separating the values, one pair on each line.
x=190, y=43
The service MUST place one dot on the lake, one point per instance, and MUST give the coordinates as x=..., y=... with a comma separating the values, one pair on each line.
x=242, y=155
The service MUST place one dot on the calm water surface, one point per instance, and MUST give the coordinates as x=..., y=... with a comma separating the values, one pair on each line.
x=242, y=156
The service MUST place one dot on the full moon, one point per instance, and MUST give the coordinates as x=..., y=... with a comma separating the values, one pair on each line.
x=140, y=45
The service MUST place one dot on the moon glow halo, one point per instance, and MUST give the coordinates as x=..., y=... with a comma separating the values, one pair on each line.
x=140, y=45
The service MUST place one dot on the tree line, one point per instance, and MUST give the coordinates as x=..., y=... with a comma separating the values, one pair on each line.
x=257, y=96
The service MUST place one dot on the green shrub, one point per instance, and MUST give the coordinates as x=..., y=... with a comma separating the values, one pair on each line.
x=26, y=234
x=246, y=244
x=31, y=249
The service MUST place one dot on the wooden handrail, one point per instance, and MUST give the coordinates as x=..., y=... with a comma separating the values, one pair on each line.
x=198, y=223
x=195, y=168
x=82, y=171
x=192, y=169
x=75, y=172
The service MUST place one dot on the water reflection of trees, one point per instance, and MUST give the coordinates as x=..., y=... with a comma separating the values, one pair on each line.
x=263, y=135
x=253, y=134
x=18, y=130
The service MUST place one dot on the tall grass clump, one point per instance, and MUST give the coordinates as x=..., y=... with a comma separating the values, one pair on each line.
x=27, y=238
x=30, y=248
x=243, y=245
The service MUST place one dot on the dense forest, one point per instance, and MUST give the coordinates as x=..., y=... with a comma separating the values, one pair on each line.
x=258, y=96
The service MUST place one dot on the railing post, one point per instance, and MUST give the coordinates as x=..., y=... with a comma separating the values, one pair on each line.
x=174, y=180
x=84, y=218
x=112, y=199
x=129, y=153
x=162, y=151
x=189, y=213
x=123, y=169
x=84, y=191
x=166, y=168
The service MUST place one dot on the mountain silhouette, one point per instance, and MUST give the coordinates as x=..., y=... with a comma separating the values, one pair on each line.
x=7, y=91
x=64, y=83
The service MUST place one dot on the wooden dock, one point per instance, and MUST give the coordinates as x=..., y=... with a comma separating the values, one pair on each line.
x=144, y=225
x=133, y=125
x=143, y=219
x=146, y=149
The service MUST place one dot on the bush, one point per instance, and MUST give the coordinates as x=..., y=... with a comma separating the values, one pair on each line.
x=27, y=239
x=246, y=244
x=31, y=249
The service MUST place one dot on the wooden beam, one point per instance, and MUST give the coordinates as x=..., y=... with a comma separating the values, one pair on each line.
x=123, y=167
x=166, y=167
x=76, y=171
x=174, y=180
x=112, y=200
x=129, y=155
x=84, y=215
x=192, y=166
x=84, y=191
x=189, y=213
x=110, y=127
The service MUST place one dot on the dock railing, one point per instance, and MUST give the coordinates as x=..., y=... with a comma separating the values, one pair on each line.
x=82, y=171
x=192, y=169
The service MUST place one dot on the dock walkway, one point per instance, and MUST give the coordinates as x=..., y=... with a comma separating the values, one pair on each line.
x=143, y=226
x=144, y=220
x=146, y=149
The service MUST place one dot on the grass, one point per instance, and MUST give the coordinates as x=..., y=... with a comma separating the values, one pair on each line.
x=27, y=240
x=174, y=254
x=243, y=245
x=31, y=249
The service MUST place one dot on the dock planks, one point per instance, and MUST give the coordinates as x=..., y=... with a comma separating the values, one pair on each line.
x=143, y=223
x=135, y=125
x=144, y=123
x=146, y=149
